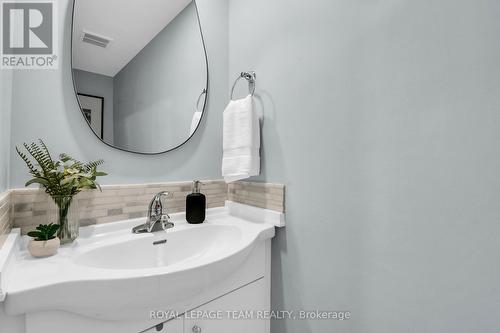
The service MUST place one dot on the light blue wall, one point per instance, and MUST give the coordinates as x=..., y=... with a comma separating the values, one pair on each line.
x=45, y=107
x=102, y=86
x=158, y=89
x=383, y=120
x=5, y=126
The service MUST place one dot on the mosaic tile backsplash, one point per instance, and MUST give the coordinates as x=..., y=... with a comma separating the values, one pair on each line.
x=263, y=195
x=5, y=215
x=119, y=202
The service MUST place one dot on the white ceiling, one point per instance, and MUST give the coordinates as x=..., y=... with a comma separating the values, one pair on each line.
x=131, y=24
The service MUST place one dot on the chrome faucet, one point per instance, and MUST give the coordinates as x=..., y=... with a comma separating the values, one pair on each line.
x=157, y=219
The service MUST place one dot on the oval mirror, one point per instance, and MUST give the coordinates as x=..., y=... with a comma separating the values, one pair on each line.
x=140, y=71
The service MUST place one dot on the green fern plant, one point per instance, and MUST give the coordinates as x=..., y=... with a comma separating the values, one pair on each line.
x=44, y=232
x=63, y=177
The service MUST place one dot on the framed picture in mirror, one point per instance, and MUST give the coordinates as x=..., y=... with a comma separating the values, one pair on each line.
x=93, y=111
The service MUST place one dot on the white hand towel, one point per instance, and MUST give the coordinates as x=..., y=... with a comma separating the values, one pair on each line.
x=194, y=122
x=241, y=140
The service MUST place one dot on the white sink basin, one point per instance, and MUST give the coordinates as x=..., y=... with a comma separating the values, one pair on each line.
x=175, y=248
x=110, y=273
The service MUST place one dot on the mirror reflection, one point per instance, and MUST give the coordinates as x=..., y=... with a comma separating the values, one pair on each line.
x=140, y=71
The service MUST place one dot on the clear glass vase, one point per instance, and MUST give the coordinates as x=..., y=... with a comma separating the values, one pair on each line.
x=65, y=213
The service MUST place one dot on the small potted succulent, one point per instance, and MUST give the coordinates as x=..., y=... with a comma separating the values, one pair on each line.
x=44, y=242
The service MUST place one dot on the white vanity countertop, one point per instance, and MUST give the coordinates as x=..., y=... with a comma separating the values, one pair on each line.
x=111, y=256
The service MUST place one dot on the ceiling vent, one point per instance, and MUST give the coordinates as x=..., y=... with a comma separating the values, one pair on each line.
x=96, y=40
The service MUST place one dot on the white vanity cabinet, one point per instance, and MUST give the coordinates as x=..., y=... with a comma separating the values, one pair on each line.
x=237, y=312
x=172, y=326
x=216, y=276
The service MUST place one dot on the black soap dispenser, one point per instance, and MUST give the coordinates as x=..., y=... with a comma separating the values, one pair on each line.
x=195, y=205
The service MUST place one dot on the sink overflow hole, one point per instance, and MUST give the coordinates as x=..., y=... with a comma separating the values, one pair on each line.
x=163, y=241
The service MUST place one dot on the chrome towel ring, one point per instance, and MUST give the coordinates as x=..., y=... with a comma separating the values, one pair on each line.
x=203, y=92
x=251, y=77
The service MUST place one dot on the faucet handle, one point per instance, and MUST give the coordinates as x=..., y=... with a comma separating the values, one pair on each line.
x=156, y=207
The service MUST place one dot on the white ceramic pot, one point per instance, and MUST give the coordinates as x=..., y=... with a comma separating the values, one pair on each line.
x=40, y=249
